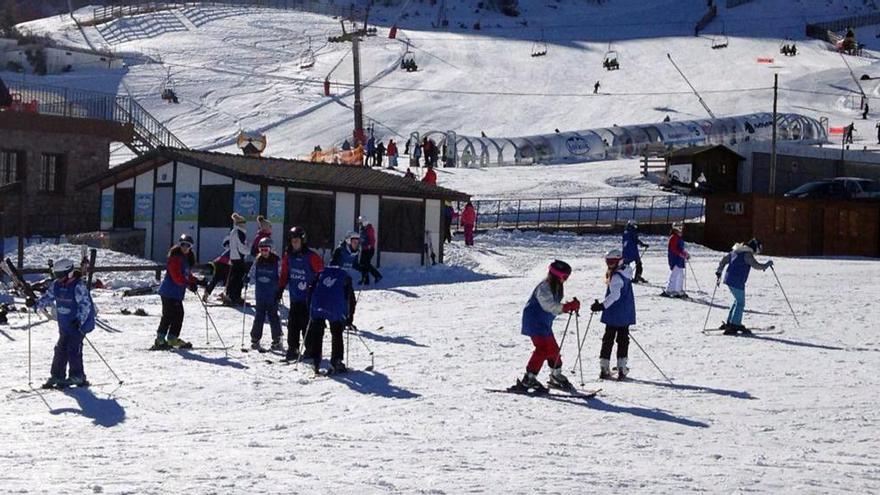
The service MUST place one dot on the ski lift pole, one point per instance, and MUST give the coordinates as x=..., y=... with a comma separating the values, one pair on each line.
x=706, y=107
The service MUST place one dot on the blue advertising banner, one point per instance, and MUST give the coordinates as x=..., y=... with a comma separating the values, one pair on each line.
x=247, y=204
x=106, y=208
x=143, y=207
x=186, y=206
x=275, y=207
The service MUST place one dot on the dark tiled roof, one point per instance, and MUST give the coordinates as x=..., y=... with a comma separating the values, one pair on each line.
x=696, y=150
x=291, y=173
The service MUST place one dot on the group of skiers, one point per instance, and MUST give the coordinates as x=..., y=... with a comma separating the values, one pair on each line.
x=375, y=152
x=618, y=306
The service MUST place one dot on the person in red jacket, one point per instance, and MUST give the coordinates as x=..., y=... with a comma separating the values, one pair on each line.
x=368, y=250
x=391, y=153
x=430, y=177
x=264, y=232
x=468, y=222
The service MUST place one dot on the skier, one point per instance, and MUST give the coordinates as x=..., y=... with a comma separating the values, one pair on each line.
x=678, y=257
x=368, y=250
x=220, y=270
x=631, y=244
x=178, y=278
x=391, y=153
x=265, y=232
x=412, y=176
x=448, y=217
x=537, y=323
x=469, y=221
x=430, y=177
x=416, y=155
x=618, y=313
x=596, y=87
x=379, y=154
x=76, y=317
x=237, y=252
x=865, y=111
x=266, y=273
x=331, y=302
x=848, y=133
x=739, y=262
x=299, y=271
x=346, y=146
x=370, y=150
x=348, y=253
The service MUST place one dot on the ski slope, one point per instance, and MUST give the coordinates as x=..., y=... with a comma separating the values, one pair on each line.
x=238, y=69
x=790, y=413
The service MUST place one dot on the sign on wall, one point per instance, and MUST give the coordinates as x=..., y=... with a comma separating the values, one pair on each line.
x=107, y=208
x=143, y=207
x=186, y=206
x=680, y=173
x=275, y=207
x=734, y=208
x=247, y=203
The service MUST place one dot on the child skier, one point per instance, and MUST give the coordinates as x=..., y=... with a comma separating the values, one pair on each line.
x=76, y=317
x=739, y=263
x=678, y=256
x=331, y=300
x=178, y=278
x=618, y=313
x=266, y=273
x=537, y=323
x=299, y=271
x=631, y=244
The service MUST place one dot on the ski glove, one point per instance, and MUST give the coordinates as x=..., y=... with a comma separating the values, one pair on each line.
x=769, y=264
x=717, y=279
x=29, y=302
x=572, y=306
x=597, y=306
x=193, y=287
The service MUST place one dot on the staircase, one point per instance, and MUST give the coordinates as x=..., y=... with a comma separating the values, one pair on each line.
x=148, y=132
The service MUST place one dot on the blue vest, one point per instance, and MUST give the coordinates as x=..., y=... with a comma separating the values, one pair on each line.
x=329, y=300
x=674, y=259
x=630, y=245
x=67, y=308
x=535, y=321
x=300, y=275
x=622, y=313
x=170, y=289
x=266, y=274
x=737, y=271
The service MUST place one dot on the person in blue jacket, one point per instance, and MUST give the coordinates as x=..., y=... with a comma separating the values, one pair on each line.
x=739, y=262
x=299, y=272
x=537, y=323
x=618, y=313
x=631, y=245
x=266, y=274
x=330, y=303
x=76, y=317
x=178, y=278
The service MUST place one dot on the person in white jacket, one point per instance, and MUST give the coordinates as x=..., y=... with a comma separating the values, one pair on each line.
x=238, y=251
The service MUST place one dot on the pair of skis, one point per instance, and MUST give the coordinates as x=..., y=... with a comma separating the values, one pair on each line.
x=20, y=285
x=520, y=389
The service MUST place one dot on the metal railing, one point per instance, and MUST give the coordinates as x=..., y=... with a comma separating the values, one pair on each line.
x=586, y=211
x=77, y=103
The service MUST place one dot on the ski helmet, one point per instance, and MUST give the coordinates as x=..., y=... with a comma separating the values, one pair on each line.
x=560, y=270
x=186, y=240
x=298, y=233
x=613, y=257
x=631, y=223
x=352, y=235
x=265, y=243
x=756, y=245
x=679, y=227
x=62, y=268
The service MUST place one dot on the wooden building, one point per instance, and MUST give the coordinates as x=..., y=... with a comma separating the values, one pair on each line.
x=714, y=168
x=794, y=227
x=170, y=191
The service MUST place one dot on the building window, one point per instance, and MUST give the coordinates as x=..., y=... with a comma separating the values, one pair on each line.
x=123, y=208
x=401, y=226
x=52, y=173
x=10, y=166
x=314, y=212
x=215, y=206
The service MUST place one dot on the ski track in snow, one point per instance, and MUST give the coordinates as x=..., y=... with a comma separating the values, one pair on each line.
x=779, y=413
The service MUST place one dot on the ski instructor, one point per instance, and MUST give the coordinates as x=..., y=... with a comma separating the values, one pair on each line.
x=739, y=262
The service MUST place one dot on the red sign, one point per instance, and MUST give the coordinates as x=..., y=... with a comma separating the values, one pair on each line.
x=765, y=60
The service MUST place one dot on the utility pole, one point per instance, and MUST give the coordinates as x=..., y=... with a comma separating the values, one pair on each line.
x=772, y=189
x=354, y=38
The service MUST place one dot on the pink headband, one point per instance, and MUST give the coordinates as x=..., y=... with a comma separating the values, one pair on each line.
x=559, y=274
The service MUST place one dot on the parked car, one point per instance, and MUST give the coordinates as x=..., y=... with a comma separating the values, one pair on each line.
x=837, y=188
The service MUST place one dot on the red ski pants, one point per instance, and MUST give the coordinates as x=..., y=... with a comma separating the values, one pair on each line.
x=546, y=349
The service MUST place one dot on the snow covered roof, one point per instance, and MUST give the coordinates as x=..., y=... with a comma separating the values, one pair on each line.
x=281, y=171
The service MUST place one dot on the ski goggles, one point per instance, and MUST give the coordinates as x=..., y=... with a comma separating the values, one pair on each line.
x=186, y=244
x=559, y=274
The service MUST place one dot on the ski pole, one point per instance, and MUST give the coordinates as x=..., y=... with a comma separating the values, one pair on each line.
x=207, y=338
x=581, y=343
x=694, y=274
x=30, y=380
x=711, y=302
x=243, y=317
x=562, y=343
x=217, y=331
x=785, y=296
x=372, y=356
x=101, y=357
x=649, y=358
x=577, y=326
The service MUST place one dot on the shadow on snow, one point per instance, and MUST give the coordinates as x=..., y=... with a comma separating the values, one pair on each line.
x=641, y=412
x=403, y=340
x=373, y=383
x=103, y=412
x=736, y=394
x=219, y=361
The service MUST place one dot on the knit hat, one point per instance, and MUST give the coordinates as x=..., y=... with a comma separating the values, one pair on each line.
x=237, y=219
x=560, y=270
x=264, y=223
x=756, y=246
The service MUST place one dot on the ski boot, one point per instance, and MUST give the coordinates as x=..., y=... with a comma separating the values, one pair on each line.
x=559, y=381
x=178, y=343
x=160, y=344
x=277, y=346
x=292, y=354
x=530, y=382
x=337, y=367
x=622, y=370
x=743, y=330
x=55, y=383
x=728, y=328
x=605, y=369
x=255, y=345
x=78, y=381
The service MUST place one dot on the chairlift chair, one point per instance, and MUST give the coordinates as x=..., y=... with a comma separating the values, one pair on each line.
x=408, y=62
x=719, y=41
x=611, y=61
x=168, y=93
x=539, y=48
x=788, y=48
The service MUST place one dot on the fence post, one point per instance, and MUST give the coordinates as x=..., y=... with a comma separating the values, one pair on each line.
x=580, y=205
x=684, y=214
x=616, y=210
x=598, y=205
x=540, y=201
x=518, y=208
x=668, y=207
x=559, y=214
x=498, y=215
x=651, y=214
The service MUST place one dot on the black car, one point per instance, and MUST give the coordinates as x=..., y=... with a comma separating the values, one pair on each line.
x=837, y=188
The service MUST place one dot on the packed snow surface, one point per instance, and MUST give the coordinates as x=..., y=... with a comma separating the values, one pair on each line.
x=789, y=413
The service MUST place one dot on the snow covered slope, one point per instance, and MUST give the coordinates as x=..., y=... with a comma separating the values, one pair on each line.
x=790, y=413
x=237, y=69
